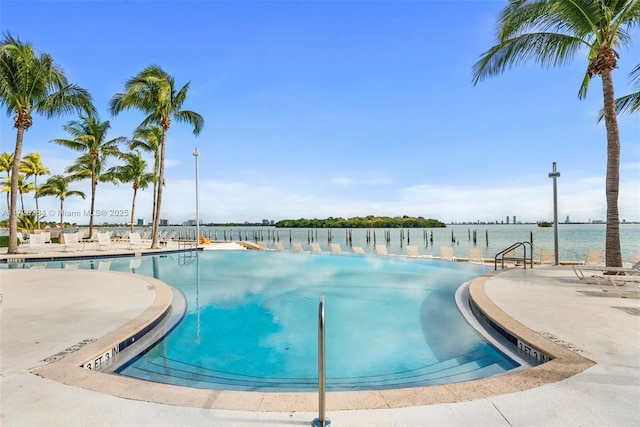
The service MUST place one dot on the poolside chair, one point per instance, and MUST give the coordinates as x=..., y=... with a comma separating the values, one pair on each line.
x=592, y=274
x=381, y=250
x=475, y=255
x=135, y=242
x=606, y=282
x=104, y=241
x=279, y=246
x=36, y=243
x=70, y=242
x=204, y=240
x=636, y=257
x=296, y=247
x=46, y=237
x=358, y=250
x=315, y=247
x=446, y=253
x=335, y=248
x=412, y=251
x=261, y=245
x=593, y=257
x=547, y=256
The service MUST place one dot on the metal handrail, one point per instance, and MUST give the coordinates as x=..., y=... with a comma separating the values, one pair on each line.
x=501, y=254
x=322, y=420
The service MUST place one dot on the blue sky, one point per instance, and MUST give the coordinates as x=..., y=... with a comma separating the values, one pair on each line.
x=334, y=108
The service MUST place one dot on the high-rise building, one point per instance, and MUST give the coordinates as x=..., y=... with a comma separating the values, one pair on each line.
x=507, y=219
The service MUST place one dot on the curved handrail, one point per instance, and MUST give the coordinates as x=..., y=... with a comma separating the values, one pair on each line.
x=500, y=255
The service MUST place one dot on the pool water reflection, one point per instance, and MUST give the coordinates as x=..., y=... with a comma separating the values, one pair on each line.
x=251, y=322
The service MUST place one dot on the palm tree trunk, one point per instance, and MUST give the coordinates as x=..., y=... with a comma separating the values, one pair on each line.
x=9, y=193
x=35, y=184
x=133, y=207
x=61, y=214
x=156, y=171
x=94, y=184
x=156, y=223
x=13, y=219
x=612, y=241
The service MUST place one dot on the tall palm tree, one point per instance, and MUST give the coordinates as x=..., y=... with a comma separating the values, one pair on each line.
x=31, y=165
x=58, y=186
x=149, y=139
x=552, y=32
x=30, y=83
x=133, y=171
x=90, y=137
x=24, y=187
x=154, y=93
x=6, y=165
x=88, y=167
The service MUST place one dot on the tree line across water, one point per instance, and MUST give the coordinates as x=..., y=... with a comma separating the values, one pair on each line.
x=362, y=222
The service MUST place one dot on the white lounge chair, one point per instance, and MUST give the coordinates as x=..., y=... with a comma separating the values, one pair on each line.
x=547, y=256
x=315, y=247
x=335, y=248
x=262, y=246
x=104, y=241
x=46, y=237
x=381, y=250
x=593, y=257
x=279, y=246
x=296, y=247
x=446, y=253
x=475, y=255
x=36, y=244
x=71, y=242
x=617, y=282
x=412, y=251
x=135, y=242
x=358, y=250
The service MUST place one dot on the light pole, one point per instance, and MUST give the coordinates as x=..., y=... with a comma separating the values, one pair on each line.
x=555, y=175
x=196, y=154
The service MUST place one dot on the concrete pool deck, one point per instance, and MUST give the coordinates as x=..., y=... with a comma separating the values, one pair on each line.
x=45, y=312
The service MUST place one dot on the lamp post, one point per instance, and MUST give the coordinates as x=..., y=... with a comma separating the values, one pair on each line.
x=196, y=154
x=555, y=175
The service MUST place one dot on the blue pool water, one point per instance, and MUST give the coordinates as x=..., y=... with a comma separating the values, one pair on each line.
x=251, y=323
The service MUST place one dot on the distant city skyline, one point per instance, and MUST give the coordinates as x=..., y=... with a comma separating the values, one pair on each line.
x=343, y=109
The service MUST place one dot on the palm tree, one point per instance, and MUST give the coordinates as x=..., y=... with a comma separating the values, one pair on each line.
x=552, y=32
x=32, y=83
x=31, y=165
x=133, y=171
x=6, y=164
x=24, y=187
x=153, y=92
x=88, y=167
x=58, y=186
x=149, y=139
x=90, y=137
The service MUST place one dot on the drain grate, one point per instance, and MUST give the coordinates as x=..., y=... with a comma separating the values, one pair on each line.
x=68, y=350
x=561, y=342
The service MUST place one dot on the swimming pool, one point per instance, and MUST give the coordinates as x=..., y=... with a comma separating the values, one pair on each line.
x=251, y=323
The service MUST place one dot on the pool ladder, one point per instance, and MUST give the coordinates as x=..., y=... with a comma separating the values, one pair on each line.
x=322, y=420
x=509, y=255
